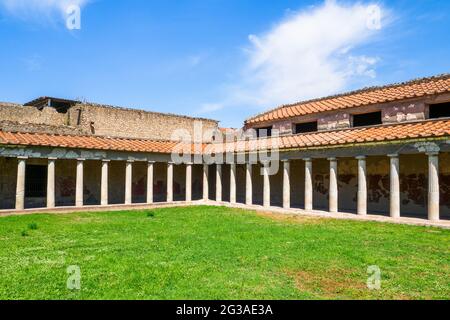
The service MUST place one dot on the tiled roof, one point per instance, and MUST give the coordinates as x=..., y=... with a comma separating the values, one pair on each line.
x=407, y=90
x=385, y=133
x=89, y=142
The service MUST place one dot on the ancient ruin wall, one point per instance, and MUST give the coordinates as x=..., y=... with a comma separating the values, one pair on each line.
x=129, y=123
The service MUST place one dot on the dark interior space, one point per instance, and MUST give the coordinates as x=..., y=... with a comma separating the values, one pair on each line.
x=306, y=127
x=441, y=110
x=367, y=119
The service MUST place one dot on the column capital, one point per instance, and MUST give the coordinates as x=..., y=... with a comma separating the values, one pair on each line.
x=393, y=155
x=432, y=154
x=361, y=158
x=81, y=159
x=52, y=158
x=307, y=159
x=332, y=159
x=106, y=160
x=151, y=162
x=286, y=160
x=189, y=163
x=22, y=158
x=130, y=161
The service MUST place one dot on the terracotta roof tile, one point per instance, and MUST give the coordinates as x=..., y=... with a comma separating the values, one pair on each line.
x=89, y=142
x=424, y=129
x=395, y=132
x=407, y=90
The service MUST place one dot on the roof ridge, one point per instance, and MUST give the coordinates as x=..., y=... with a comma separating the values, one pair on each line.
x=443, y=76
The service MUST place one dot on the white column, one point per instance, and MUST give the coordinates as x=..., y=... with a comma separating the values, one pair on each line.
x=218, y=182
x=20, y=187
x=362, y=186
x=395, y=186
x=308, y=185
x=248, y=185
x=79, y=183
x=205, y=182
x=51, y=183
x=129, y=182
x=188, y=182
x=150, y=169
x=104, y=183
x=169, y=182
x=266, y=196
x=333, y=192
x=286, y=185
x=433, y=186
x=233, y=183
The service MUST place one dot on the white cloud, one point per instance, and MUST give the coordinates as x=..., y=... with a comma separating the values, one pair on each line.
x=39, y=9
x=307, y=55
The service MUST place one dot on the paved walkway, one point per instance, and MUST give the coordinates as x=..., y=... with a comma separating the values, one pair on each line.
x=320, y=214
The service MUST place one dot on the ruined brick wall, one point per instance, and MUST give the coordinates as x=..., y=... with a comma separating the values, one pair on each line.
x=39, y=128
x=30, y=115
x=86, y=119
x=128, y=123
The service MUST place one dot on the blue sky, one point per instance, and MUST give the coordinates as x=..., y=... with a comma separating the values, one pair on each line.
x=221, y=59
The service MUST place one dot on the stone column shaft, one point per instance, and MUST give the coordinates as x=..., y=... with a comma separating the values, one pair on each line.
x=308, y=185
x=189, y=182
x=129, y=182
x=104, y=183
x=51, y=183
x=205, y=182
x=286, y=185
x=79, y=193
x=218, y=182
x=394, y=186
x=170, y=182
x=248, y=185
x=266, y=195
x=233, y=183
x=150, y=173
x=20, y=187
x=433, y=187
x=333, y=192
x=362, y=186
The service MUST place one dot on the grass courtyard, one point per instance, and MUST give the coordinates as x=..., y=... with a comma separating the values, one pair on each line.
x=218, y=253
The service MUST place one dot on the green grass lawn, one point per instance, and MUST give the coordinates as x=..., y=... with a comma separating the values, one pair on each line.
x=218, y=253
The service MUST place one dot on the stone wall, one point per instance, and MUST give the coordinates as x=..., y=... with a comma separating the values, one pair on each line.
x=30, y=115
x=39, y=128
x=129, y=123
x=91, y=119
